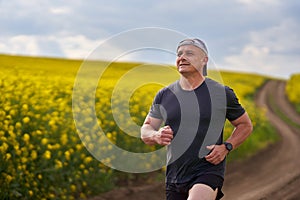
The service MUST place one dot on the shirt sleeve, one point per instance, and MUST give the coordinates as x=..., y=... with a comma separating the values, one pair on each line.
x=155, y=111
x=234, y=109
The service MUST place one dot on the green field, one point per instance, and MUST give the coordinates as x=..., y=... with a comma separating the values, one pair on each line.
x=42, y=155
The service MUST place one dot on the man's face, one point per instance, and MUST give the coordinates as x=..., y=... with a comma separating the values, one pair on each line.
x=190, y=59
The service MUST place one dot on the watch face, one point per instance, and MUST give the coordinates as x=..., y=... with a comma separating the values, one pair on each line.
x=228, y=146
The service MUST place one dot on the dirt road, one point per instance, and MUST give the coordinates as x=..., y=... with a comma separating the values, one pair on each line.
x=273, y=174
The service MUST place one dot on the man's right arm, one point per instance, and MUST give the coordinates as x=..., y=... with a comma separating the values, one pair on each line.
x=152, y=134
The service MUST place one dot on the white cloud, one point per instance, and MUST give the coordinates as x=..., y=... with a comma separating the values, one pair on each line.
x=270, y=51
x=256, y=4
x=281, y=38
x=74, y=28
x=21, y=44
x=60, y=10
x=76, y=46
x=260, y=61
x=66, y=45
x=70, y=46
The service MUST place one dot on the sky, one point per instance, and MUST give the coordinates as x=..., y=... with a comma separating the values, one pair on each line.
x=257, y=36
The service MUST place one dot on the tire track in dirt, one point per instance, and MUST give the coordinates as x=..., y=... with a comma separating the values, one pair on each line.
x=273, y=173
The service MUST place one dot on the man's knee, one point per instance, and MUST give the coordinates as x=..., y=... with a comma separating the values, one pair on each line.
x=202, y=192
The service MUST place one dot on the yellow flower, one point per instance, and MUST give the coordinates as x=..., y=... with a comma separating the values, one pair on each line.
x=82, y=196
x=84, y=184
x=81, y=166
x=8, y=156
x=88, y=159
x=26, y=120
x=18, y=152
x=35, y=184
x=58, y=164
x=79, y=147
x=51, y=122
x=67, y=155
x=64, y=139
x=25, y=107
x=18, y=125
x=47, y=154
x=73, y=188
x=9, y=178
x=91, y=146
x=44, y=141
x=40, y=176
x=24, y=160
x=7, y=108
x=30, y=192
x=3, y=147
x=33, y=155
x=109, y=135
x=26, y=138
x=12, y=112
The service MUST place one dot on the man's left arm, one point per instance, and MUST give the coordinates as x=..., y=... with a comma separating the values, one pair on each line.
x=242, y=130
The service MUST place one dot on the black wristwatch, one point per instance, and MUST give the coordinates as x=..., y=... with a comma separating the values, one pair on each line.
x=228, y=146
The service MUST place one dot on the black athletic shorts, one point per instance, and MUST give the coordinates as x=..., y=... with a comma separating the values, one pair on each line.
x=180, y=191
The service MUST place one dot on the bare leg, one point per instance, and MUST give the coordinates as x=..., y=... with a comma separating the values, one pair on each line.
x=202, y=192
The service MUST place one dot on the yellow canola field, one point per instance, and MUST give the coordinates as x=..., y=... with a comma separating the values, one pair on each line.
x=44, y=150
x=293, y=90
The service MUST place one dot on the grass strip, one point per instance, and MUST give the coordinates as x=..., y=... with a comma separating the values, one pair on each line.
x=276, y=109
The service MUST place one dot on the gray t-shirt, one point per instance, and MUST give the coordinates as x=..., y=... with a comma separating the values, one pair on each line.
x=197, y=119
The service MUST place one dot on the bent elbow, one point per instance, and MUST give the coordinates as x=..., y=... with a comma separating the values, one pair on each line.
x=250, y=128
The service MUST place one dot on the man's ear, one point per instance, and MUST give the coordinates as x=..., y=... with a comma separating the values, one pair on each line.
x=205, y=60
x=204, y=70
